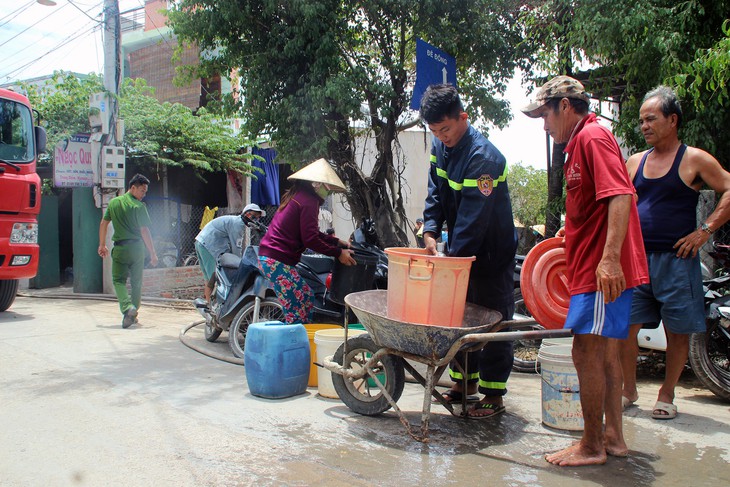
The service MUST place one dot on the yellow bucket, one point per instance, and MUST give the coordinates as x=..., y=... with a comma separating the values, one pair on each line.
x=311, y=330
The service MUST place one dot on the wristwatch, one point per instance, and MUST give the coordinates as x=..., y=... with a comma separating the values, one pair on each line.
x=706, y=228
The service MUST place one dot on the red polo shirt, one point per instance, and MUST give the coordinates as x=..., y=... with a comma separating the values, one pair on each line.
x=594, y=172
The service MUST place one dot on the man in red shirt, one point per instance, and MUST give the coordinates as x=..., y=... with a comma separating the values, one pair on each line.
x=605, y=259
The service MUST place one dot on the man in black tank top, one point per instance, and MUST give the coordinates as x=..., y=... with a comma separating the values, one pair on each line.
x=667, y=179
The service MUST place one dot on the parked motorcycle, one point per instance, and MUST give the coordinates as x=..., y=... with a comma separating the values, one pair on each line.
x=242, y=296
x=321, y=274
x=709, y=352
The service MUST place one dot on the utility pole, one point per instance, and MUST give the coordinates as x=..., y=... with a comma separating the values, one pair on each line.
x=112, y=63
x=112, y=38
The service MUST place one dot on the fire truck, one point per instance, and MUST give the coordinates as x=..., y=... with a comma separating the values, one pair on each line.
x=20, y=193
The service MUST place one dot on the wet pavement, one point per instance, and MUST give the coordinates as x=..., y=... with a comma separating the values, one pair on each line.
x=84, y=402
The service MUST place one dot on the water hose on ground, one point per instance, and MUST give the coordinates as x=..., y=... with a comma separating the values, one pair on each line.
x=191, y=345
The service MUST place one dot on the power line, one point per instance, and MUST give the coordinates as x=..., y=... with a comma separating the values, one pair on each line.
x=66, y=41
x=154, y=25
x=79, y=9
x=69, y=39
x=31, y=26
x=15, y=13
x=72, y=37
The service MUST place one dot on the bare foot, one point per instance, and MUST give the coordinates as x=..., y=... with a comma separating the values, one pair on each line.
x=577, y=455
x=617, y=450
x=615, y=447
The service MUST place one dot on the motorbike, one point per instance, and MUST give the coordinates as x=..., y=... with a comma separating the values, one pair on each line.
x=242, y=296
x=709, y=352
x=319, y=272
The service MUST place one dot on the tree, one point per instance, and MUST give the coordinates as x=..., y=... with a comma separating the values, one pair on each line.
x=156, y=133
x=528, y=190
x=631, y=46
x=314, y=74
x=547, y=25
x=528, y=194
x=708, y=73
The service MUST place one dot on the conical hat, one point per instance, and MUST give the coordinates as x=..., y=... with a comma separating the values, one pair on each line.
x=320, y=171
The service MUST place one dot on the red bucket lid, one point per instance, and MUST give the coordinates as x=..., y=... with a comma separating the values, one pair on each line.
x=544, y=283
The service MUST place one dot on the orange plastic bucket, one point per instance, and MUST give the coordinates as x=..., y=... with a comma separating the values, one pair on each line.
x=427, y=289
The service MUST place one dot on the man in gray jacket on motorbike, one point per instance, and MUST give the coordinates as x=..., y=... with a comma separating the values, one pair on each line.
x=222, y=235
x=668, y=178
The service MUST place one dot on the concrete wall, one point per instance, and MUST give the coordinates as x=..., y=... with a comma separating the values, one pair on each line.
x=412, y=151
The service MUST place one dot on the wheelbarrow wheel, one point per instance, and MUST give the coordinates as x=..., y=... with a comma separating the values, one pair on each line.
x=363, y=396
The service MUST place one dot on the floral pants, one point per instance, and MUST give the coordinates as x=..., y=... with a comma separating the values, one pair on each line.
x=293, y=292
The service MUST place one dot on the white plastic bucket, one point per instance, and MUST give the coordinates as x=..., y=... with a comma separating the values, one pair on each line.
x=551, y=342
x=560, y=391
x=327, y=342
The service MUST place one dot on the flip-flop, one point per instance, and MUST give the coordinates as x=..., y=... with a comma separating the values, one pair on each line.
x=454, y=397
x=664, y=410
x=484, y=406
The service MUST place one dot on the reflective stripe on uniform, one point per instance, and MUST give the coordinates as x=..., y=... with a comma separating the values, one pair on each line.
x=459, y=376
x=492, y=385
x=467, y=183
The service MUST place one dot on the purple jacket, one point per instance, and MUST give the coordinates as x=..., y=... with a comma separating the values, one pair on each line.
x=295, y=229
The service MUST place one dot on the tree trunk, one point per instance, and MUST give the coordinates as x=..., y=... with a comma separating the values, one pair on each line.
x=555, y=205
x=376, y=196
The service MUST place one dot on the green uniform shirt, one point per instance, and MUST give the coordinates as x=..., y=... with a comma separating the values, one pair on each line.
x=128, y=215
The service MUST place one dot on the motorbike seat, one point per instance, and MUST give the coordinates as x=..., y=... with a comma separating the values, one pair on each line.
x=320, y=264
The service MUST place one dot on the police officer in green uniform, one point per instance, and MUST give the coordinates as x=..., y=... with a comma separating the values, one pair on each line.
x=131, y=236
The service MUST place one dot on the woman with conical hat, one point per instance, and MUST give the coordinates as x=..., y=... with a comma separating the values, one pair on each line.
x=293, y=230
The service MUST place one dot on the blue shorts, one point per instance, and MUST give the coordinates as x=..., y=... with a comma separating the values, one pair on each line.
x=674, y=294
x=589, y=315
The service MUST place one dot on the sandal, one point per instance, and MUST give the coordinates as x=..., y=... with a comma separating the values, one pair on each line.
x=664, y=410
x=485, y=406
x=455, y=397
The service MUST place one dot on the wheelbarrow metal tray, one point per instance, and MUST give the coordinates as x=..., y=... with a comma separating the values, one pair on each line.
x=428, y=341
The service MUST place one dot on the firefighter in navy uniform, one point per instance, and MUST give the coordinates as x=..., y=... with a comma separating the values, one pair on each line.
x=467, y=189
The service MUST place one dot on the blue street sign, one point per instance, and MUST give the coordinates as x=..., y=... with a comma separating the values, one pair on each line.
x=433, y=66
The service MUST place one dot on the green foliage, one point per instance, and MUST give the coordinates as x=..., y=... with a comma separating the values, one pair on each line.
x=63, y=104
x=632, y=46
x=312, y=70
x=170, y=134
x=707, y=74
x=155, y=133
x=528, y=190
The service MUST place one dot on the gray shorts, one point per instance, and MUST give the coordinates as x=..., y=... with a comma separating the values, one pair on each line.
x=674, y=295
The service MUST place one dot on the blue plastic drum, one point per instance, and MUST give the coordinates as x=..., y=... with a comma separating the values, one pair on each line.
x=276, y=358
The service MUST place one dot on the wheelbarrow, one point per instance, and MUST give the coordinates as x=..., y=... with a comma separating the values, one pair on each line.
x=368, y=371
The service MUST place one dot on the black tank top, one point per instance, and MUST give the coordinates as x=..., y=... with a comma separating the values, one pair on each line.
x=667, y=206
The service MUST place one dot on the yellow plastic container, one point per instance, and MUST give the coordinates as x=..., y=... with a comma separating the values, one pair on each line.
x=427, y=289
x=311, y=330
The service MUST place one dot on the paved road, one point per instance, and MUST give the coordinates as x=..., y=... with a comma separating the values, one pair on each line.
x=84, y=402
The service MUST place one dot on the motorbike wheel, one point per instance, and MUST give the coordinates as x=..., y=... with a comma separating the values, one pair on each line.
x=363, y=396
x=191, y=259
x=709, y=356
x=525, y=351
x=270, y=310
